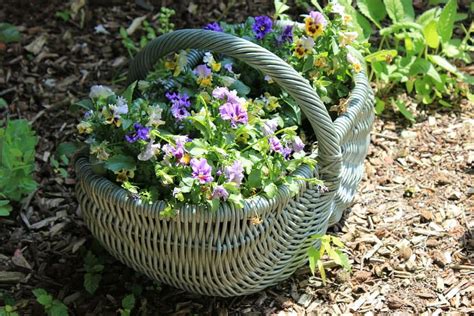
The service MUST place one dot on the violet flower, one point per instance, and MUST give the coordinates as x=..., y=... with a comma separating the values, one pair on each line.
x=220, y=193
x=141, y=133
x=180, y=104
x=286, y=35
x=201, y=170
x=214, y=26
x=275, y=145
x=297, y=144
x=233, y=112
x=262, y=26
x=269, y=127
x=235, y=172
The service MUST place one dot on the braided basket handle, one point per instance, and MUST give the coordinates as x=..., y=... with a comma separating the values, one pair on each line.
x=329, y=153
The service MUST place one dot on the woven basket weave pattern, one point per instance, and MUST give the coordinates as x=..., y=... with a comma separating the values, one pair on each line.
x=226, y=253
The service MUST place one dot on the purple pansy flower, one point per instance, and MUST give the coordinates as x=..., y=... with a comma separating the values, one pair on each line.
x=214, y=26
x=275, y=145
x=141, y=132
x=178, y=152
x=270, y=126
x=286, y=152
x=201, y=170
x=228, y=67
x=202, y=71
x=220, y=193
x=233, y=112
x=297, y=144
x=286, y=35
x=235, y=173
x=263, y=25
x=180, y=104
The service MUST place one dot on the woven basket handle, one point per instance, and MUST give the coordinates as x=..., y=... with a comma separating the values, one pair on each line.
x=329, y=153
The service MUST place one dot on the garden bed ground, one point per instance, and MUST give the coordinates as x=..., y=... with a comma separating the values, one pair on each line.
x=409, y=234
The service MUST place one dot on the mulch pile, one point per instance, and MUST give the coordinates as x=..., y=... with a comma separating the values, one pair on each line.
x=409, y=234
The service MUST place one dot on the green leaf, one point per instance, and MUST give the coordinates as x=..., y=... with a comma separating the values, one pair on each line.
x=427, y=16
x=237, y=200
x=119, y=162
x=431, y=34
x=128, y=93
x=403, y=109
x=255, y=178
x=396, y=27
x=408, y=9
x=337, y=241
x=68, y=149
x=271, y=190
x=446, y=21
x=91, y=282
x=423, y=66
x=308, y=64
x=3, y=103
x=58, y=309
x=381, y=55
x=322, y=271
x=364, y=25
x=128, y=302
x=43, y=297
x=85, y=104
x=241, y=88
x=379, y=106
x=5, y=208
x=280, y=8
x=343, y=260
x=9, y=33
x=373, y=9
x=313, y=257
x=395, y=10
x=214, y=204
x=444, y=63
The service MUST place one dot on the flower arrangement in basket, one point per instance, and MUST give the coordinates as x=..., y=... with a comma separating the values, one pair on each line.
x=213, y=137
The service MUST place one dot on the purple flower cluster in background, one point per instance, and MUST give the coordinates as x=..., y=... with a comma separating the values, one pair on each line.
x=286, y=35
x=233, y=110
x=262, y=26
x=141, y=133
x=296, y=145
x=220, y=193
x=214, y=26
x=235, y=172
x=180, y=105
x=179, y=151
x=201, y=170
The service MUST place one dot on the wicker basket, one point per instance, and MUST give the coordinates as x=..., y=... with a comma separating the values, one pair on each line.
x=227, y=253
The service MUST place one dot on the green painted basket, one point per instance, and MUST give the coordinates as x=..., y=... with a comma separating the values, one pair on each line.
x=226, y=253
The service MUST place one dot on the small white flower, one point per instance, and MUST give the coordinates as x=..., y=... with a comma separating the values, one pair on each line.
x=347, y=38
x=122, y=106
x=149, y=152
x=307, y=42
x=208, y=58
x=101, y=29
x=98, y=91
x=268, y=79
x=337, y=8
x=155, y=116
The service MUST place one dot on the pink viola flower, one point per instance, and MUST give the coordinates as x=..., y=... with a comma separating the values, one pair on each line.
x=233, y=112
x=235, y=172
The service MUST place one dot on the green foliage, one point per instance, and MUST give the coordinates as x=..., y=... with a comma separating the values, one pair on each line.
x=3, y=103
x=63, y=15
x=9, y=33
x=8, y=310
x=52, y=307
x=413, y=53
x=149, y=31
x=128, y=303
x=93, y=275
x=327, y=244
x=17, y=157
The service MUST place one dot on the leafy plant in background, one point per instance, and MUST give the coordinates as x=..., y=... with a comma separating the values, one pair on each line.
x=163, y=25
x=413, y=52
x=9, y=308
x=17, y=157
x=93, y=275
x=64, y=15
x=52, y=307
x=9, y=33
x=326, y=247
x=128, y=303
